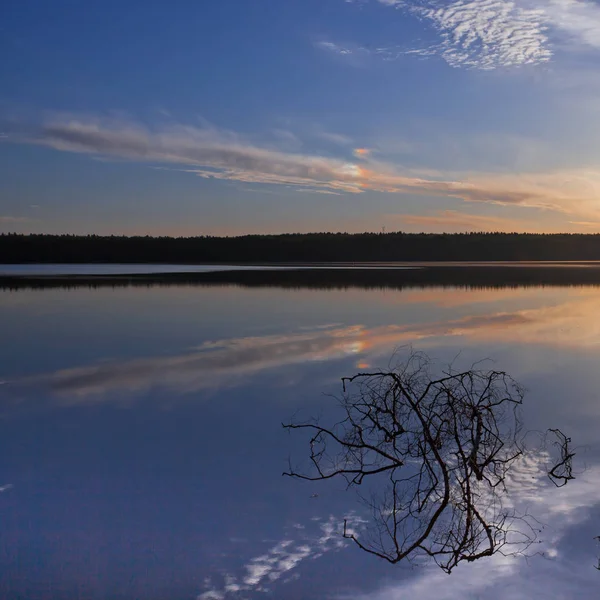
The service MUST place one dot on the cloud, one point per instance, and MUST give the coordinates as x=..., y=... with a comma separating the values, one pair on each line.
x=335, y=138
x=361, y=152
x=221, y=154
x=5, y=488
x=214, y=154
x=451, y=220
x=357, y=54
x=587, y=224
x=336, y=48
x=264, y=570
x=578, y=19
x=489, y=34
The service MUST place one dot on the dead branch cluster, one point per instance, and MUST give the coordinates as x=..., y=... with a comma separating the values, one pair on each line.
x=431, y=455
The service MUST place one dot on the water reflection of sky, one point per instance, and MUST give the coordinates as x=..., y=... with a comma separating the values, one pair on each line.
x=141, y=448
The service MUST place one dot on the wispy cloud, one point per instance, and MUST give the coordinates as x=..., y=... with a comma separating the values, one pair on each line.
x=587, y=224
x=488, y=34
x=357, y=54
x=361, y=152
x=336, y=48
x=216, y=154
x=578, y=19
x=335, y=138
x=452, y=220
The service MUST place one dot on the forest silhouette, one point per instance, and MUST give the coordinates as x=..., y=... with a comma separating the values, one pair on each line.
x=305, y=247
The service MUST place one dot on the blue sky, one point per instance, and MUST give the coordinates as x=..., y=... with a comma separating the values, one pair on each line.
x=190, y=118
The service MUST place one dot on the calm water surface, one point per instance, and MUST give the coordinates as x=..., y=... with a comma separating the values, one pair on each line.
x=139, y=269
x=111, y=269
x=141, y=446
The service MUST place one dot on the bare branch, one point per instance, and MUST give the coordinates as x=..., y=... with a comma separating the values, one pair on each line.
x=562, y=472
x=435, y=453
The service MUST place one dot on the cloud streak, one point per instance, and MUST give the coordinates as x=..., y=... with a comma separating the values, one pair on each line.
x=214, y=154
x=452, y=220
x=335, y=48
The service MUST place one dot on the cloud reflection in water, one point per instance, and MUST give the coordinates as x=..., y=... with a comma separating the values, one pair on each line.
x=228, y=362
x=570, y=322
x=264, y=570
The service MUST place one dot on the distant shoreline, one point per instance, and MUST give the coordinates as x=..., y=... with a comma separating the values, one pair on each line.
x=466, y=275
x=379, y=264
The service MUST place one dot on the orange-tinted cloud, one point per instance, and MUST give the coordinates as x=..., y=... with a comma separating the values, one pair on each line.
x=361, y=152
x=452, y=220
x=215, y=154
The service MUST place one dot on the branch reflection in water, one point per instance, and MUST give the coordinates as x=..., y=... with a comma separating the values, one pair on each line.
x=434, y=456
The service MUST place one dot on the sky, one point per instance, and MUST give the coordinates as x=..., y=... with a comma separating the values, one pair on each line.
x=233, y=117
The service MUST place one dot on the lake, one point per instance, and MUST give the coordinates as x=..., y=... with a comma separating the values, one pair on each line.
x=142, y=447
x=113, y=269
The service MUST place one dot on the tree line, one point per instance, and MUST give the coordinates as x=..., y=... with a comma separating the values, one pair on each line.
x=309, y=247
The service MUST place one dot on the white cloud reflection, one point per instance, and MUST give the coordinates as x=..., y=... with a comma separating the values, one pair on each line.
x=549, y=575
x=262, y=571
x=549, y=572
